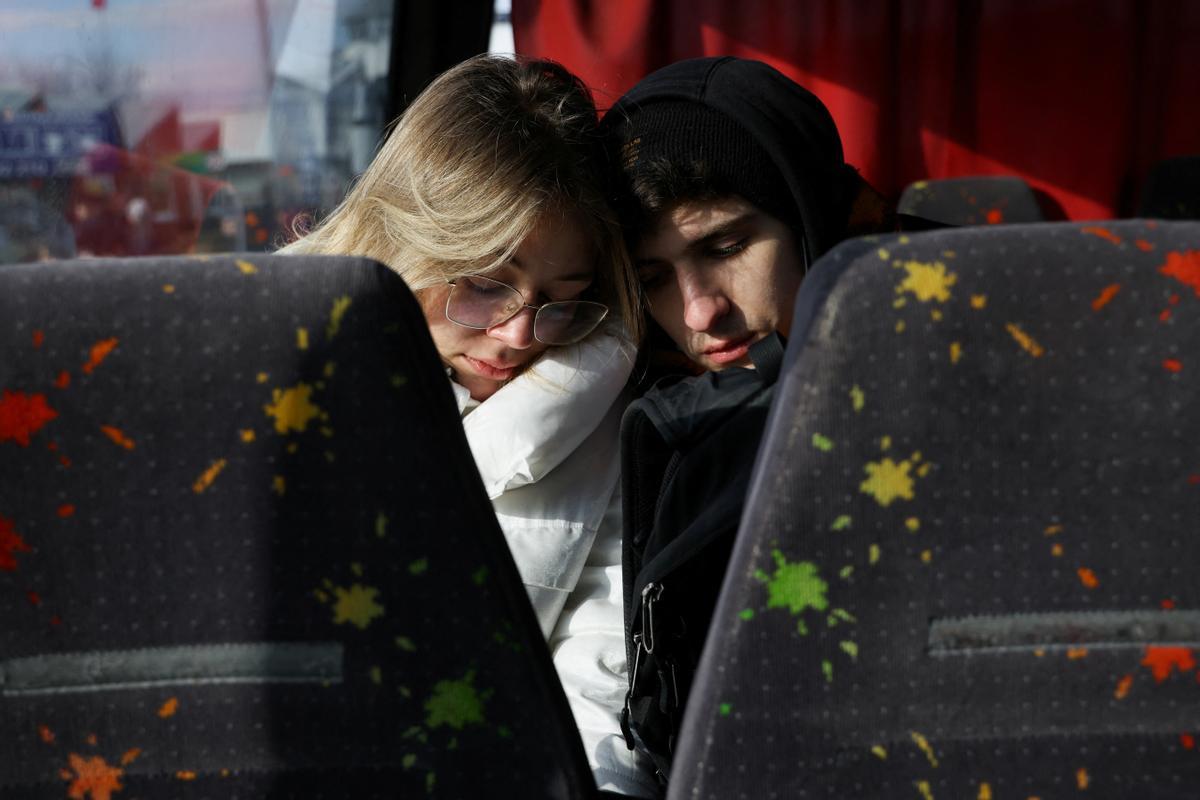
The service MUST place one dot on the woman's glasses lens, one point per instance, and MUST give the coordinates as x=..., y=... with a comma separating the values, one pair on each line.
x=478, y=302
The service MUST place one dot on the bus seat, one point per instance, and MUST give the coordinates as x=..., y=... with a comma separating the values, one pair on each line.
x=1172, y=189
x=244, y=550
x=968, y=561
x=977, y=200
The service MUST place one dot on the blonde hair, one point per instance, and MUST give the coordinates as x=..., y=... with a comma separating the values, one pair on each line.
x=477, y=159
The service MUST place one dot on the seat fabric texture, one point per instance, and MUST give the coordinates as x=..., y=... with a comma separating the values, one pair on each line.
x=978, y=200
x=968, y=562
x=244, y=550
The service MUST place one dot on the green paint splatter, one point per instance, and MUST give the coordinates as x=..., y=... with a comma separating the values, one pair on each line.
x=746, y=614
x=479, y=576
x=504, y=732
x=430, y=779
x=376, y=676
x=843, y=615
x=419, y=566
x=412, y=732
x=406, y=644
x=340, y=306
x=822, y=443
x=857, y=398
x=381, y=523
x=404, y=691
x=827, y=670
x=873, y=553
x=399, y=381
x=841, y=523
x=408, y=761
x=846, y=572
x=794, y=586
x=849, y=648
x=725, y=709
x=454, y=703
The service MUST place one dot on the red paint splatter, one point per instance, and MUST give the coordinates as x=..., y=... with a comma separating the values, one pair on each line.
x=1193, y=479
x=11, y=543
x=56, y=620
x=22, y=415
x=45, y=734
x=1164, y=315
x=1106, y=295
x=1185, y=268
x=1103, y=233
x=1123, y=687
x=994, y=216
x=1088, y=578
x=1173, y=299
x=35, y=599
x=1168, y=604
x=66, y=462
x=1143, y=245
x=39, y=338
x=66, y=510
x=63, y=380
x=1162, y=661
x=100, y=351
x=118, y=438
x=1172, y=365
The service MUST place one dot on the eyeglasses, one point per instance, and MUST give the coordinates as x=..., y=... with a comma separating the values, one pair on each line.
x=480, y=303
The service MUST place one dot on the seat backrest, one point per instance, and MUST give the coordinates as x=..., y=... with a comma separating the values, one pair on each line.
x=1172, y=189
x=977, y=200
x=967, y=566
x=244, y=550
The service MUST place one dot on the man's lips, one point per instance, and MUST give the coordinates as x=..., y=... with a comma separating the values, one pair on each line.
x=495, y=370
x=729, y=351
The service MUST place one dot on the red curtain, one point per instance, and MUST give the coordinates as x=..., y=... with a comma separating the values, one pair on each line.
x=1078, y=97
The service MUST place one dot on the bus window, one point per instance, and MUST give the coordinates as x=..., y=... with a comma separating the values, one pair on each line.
x=134, y=127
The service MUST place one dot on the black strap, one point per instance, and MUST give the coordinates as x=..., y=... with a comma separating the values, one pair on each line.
x=767, y=357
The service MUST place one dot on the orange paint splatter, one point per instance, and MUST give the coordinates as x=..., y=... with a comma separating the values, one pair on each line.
x=1173, y=365
x=22, y=415
x=1076, y=653
x=66, y=510
x=1123, y=687
x=1143, y=245
x=100, y=351
x=1103, y=233
x=45, y=734
x=1027, y=342
x=11, y=543
x=1081, y=778
x=1106, y=295
x=39, y=338
x=63, y=380
x=994, y=216
x=185, y=775
x=168, y=709
x=118, y=438
x=92, y=778
x=1051, y=530
x=1088, y=578
x=1187, y=741
x=208, y=476
x=1162, y=661
x=130, y=756
x=92, y=740
x=1185, y=268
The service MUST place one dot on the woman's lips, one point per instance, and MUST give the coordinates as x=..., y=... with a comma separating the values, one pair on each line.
x=729, y=352
x=490, y=369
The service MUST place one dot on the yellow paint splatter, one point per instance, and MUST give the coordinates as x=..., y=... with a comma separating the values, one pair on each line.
x=356, y=605
x=873, y=553
x=885, y=443
x=376, y=676
x=168, y=709
x=208, y=476
x=955, y=352
x=246, y=267
x=923, y=470
x=883, y=254
x=340, y=306
x=356, y=569
x=1053, y=529
x=935, y=315
x=292, y=448
x=948, y=254
x=857, y=398
x=926, y=556
x=302, y=338
x=900, y=326
x=913, y=524
x=381, y=523
x=326, y=431
x=292, y=408
x=985, y=792
x=923, y=743
x=900, y=302
x=923, y=788
x=247, y=435
x=978, y=301
x=168, y=288
x=261, y=377
x=329, y=369
x=903, y=240
x=1081, y=778
x=927, y=281
x=1027, y=342
x=880, y=752
x=279, y=485
x=887, y=481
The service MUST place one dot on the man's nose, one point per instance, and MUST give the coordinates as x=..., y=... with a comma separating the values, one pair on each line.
x=704, y=300
x=517, y=331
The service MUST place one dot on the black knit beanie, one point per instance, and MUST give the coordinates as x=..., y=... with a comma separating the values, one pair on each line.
x=759, y=134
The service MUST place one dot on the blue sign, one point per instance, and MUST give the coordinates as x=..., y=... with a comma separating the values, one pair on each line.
x=51, y=144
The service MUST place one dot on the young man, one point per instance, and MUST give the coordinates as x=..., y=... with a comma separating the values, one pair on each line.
x=733, y=183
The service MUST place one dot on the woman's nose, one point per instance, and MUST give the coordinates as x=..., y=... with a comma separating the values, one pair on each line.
x=517, y=331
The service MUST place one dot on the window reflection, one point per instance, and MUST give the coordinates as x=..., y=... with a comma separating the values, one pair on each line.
x=134, y=127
